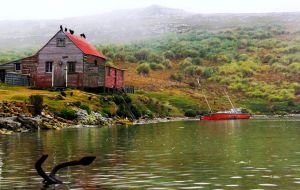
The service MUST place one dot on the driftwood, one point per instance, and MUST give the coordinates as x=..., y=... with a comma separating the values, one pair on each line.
x=51, y=178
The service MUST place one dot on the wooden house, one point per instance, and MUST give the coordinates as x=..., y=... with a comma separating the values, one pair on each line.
x=66, y=60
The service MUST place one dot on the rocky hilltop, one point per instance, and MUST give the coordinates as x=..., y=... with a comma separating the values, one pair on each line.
x=124, y=26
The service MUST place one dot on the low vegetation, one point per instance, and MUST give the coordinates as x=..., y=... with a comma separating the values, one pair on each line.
x=259, y=66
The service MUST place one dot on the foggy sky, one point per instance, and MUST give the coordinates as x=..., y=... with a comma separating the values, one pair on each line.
x=56, y=9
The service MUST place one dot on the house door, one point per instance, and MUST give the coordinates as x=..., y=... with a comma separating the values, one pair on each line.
x=2, y=76
x=60, y=75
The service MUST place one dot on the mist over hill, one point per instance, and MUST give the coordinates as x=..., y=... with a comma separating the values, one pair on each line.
x=125, y=26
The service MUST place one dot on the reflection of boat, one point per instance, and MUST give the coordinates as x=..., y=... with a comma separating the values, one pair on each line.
x=234, y=113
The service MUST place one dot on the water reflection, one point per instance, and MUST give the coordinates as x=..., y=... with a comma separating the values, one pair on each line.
x=1, y=164
x=179, y=155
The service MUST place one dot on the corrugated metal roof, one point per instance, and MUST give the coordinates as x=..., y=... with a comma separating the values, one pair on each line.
x=85, y=46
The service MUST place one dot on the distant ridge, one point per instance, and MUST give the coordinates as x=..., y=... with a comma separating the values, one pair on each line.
x=125, y=26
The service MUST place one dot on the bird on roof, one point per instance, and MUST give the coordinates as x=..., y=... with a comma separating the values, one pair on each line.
x=71, y=31
x=83, y=35
x=61, y=28
x=66, y=29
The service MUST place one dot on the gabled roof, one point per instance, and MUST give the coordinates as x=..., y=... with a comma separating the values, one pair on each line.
x=85, y=46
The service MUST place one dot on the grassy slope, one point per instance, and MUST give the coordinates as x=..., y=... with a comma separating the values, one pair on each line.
x=158, y=85
x=18, y=93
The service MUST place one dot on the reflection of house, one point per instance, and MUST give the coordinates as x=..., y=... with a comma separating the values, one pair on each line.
x=65, y=61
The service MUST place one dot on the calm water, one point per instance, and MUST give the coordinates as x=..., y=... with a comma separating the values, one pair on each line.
x=179, y=155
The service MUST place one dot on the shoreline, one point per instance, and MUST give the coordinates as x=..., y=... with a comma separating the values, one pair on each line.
x=15, y=118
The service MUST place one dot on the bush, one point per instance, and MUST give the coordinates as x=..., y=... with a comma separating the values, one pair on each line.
x=135, y=111
x=169, y=55
x=190, y=113
x=127, y=99
x=37, y=102
x=142, y=55
x=155, y=66
x=86, y=108
x=143, y=69
x=67, y=113
x=118, y=99
x=167, y=63
x=131, y=59
x=197, y=61
x=186, y=63
x=177, y=77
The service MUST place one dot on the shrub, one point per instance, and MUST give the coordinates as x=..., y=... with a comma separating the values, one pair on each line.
x=118, y=99
x=169, y=55
x=143, y=69
x=155, y=66
x=197, y=61
x=122, y=111
x=190, y=113
x=37, y=102
x=142, y=55
x=177, y=77
x=135, y=111
x=149, y=114
x=167, y=63
x=127, y=99
x=86, y=108
x=67, y=113
x=131, y=59
x=208, y=72
x=186, y=62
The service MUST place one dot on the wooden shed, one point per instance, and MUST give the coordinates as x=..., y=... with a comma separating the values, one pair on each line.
x=67, y=60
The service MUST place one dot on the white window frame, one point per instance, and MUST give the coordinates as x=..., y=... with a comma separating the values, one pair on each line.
x=49, y=69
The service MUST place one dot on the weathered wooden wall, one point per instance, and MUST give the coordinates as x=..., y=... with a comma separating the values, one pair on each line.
x=8, y=67
x=110, y=77
x=28, y=64
x=94, y=72
x=17, y=79
x=120, y=79
x=50, y=52
x=114, y=78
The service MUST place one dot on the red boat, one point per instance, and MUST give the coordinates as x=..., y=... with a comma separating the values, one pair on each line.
x=225, y=116
x=234, y=113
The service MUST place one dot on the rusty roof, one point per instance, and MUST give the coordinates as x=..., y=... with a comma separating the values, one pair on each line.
x=85, y=46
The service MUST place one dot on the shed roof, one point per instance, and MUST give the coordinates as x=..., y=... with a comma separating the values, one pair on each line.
x=85, y=46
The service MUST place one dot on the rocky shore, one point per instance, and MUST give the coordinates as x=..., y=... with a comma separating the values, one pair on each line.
x=16, y=117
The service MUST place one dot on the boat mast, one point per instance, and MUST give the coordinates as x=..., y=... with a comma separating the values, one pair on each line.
x=229, y=99
x=198, y=81
x=206, y=101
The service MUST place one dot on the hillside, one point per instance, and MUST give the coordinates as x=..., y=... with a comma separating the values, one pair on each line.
x=259, y=66
x=174, y=57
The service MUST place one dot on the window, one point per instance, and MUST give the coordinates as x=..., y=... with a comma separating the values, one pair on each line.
x=48, y=66
x=17, y=66
x=60, y=42
x=71, y=67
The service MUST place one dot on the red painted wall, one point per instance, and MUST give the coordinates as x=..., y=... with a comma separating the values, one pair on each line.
x=120, y=79
x=114, y=78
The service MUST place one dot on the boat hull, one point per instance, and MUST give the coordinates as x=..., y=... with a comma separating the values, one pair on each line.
x=225, y=116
